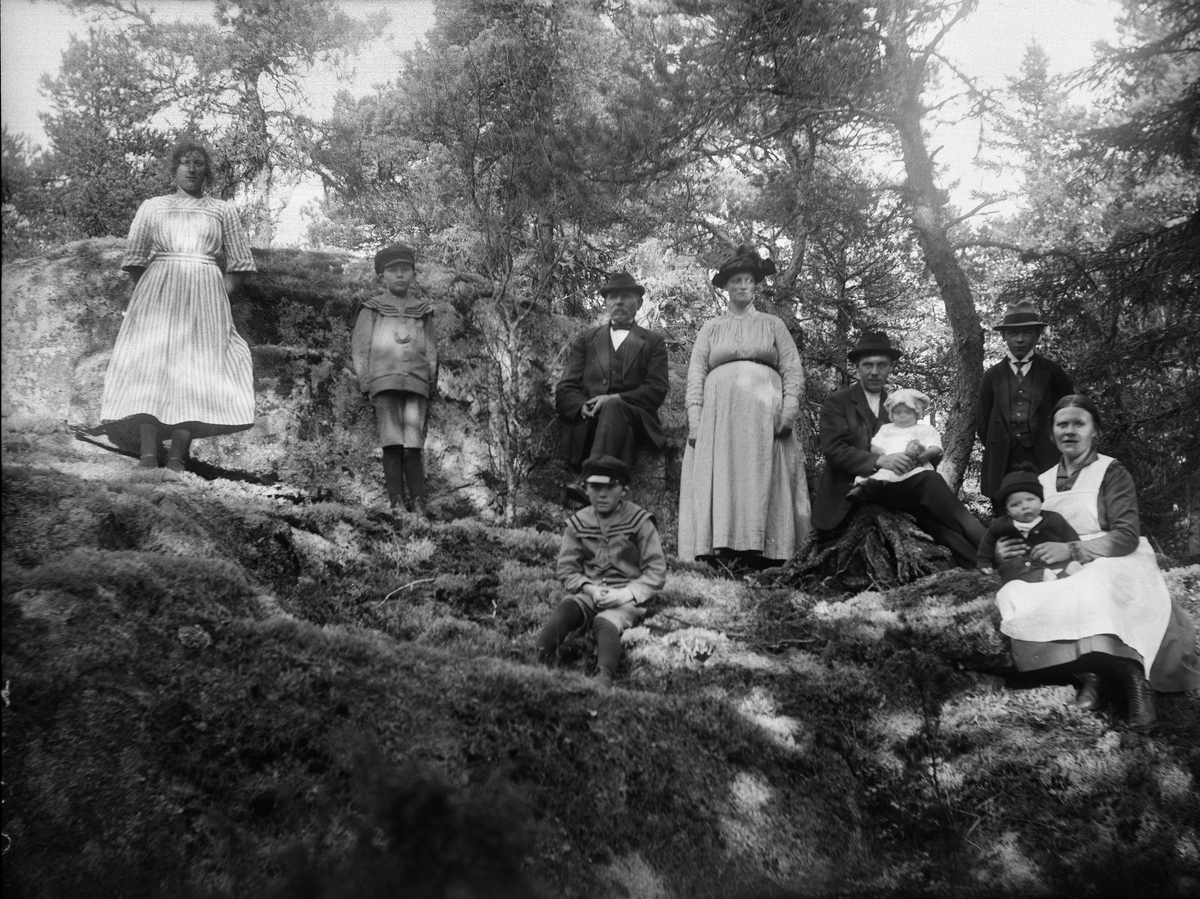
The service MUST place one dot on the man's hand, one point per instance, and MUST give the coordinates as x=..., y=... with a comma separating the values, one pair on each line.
x=1009, y=548
x=897, y=463
x=593, y=591
x=592, y=407
x=612, y=597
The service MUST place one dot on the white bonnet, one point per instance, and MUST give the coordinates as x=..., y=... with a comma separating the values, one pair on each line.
x=907, y=396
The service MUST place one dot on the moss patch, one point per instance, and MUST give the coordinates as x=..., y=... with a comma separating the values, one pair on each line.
x=218, y=691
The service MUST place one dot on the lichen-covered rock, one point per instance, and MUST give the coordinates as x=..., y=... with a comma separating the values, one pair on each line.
x=313, y=428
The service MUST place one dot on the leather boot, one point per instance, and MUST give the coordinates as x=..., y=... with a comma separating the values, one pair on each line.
x=1143, y=704
x=418, y=506
x=393, y=478
x=1092, y=692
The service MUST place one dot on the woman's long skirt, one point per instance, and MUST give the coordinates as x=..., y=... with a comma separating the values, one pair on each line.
x=179, y=362
x=743, y=488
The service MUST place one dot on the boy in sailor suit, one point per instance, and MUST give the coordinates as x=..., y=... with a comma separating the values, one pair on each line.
x=611, y=562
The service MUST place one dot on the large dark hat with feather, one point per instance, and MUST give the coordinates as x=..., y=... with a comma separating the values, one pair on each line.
x=743, y=259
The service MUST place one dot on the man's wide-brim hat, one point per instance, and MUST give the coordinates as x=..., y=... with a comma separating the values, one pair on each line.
x=874, y=343
x=397, y=252
x=605, y=470
x=621, y=281
x=743, y=259
x=1020, y=314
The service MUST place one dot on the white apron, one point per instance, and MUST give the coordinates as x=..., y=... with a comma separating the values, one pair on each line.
x=1121, y=595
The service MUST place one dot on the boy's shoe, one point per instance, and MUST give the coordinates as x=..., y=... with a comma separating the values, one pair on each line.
x=857, y=494
x=604, y=677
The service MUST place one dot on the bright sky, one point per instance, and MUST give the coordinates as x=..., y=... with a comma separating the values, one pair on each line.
x=988, y=46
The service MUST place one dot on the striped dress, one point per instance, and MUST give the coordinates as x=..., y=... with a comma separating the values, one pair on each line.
x=178, y=360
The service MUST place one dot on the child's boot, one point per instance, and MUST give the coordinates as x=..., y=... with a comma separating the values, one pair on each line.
x=608, y=650
x=858, y=494
x=393, y=477
x=565, y=619
x=414, y=475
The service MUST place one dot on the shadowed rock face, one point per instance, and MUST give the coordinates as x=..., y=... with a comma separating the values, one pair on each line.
x=313, y=428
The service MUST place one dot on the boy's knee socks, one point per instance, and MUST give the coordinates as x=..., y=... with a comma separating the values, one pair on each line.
x=414, y=473
x=393, y=474
x=608, y=645
x=565, y=619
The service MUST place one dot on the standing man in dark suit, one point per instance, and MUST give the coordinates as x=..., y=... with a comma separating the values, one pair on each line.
x=849, y=419
x=1016, y=400
x=614, y=380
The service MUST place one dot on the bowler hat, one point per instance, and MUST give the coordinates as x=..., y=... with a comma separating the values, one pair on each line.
x=1018, y=481
x=1020, y=314
x=605, y=470
x=874, y=343
x=397, y=252
x=621, y=281
x=743, y=259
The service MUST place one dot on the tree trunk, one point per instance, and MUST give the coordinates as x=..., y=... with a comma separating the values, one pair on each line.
x=1193, y=508
x=928, y=214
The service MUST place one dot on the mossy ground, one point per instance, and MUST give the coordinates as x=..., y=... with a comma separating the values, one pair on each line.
x=217, y=691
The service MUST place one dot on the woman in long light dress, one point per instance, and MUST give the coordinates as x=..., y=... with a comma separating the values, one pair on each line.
x=743, y=490
x=179, y=368
x=1113, y=622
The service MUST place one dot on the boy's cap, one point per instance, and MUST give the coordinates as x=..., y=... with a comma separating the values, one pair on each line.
x=605, y=470
x=1018, y=482
x=397, y=252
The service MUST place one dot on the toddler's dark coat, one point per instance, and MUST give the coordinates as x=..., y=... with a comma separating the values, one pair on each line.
x=1053, y=528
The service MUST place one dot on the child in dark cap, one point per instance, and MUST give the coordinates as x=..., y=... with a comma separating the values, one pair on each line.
x=611, y=562
x=1020, y=495
x=394, y=348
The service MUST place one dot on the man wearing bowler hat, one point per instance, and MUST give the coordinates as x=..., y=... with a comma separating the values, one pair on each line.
x=614, y=380
x=1016, y=400
x=849, y=419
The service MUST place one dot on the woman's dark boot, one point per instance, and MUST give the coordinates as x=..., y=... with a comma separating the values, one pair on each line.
x=148, y=433
x=181, y=442
x=1143, y=704
x=1092, y=692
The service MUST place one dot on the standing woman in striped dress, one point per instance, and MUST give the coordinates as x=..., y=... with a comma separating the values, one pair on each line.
x=179, y=368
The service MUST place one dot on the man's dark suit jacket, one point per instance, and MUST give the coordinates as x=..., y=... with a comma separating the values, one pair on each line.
x=588, y=373
x=847, y=426
x=1048, y=384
